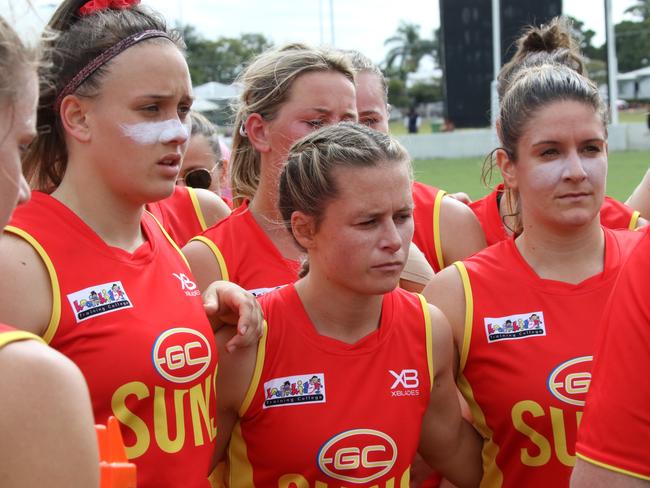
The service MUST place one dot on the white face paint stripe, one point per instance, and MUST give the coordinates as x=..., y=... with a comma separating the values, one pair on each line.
x=164, y=132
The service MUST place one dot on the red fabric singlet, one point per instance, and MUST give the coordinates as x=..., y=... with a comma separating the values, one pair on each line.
x=180, y=214
x=613, y=215
x=320, y=412
x=526, y=360
x=135, y=326
x=426, y=217
x=615, y=430
x=246, y=255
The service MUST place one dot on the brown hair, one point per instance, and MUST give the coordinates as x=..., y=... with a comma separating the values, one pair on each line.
x=537, y=45
x=266, y=84
x=79, y=40
x=307, y=182
x=202, y=126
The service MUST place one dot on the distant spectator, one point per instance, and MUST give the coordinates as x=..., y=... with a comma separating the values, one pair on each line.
x=413, y=121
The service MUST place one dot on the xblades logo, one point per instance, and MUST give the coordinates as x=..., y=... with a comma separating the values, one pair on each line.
x=187, y=285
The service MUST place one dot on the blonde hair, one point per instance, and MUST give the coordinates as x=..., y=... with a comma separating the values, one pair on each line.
x=307, y=182
x=266, y=83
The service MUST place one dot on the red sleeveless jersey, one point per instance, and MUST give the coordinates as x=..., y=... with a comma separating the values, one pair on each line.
x=526, y=360
x=426, y=217
x=615, y=430
x=9, y=334
x=180, y=214
x=613, y=215
x=320, y=412
x=135, y=326
x=246, y=255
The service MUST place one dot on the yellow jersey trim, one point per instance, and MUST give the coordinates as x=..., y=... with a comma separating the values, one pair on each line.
x=197, y=207
x=217, y=254
x=428, y=338
x=240, y=470
x=55, y=316
x=437, y=241
x=492, y=475
x=469, y=313
x=169, y=238
x=609, y=467
x=634, y=220
x=257, y=372
x=17, y=335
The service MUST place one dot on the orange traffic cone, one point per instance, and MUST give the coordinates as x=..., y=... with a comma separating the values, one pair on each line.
x=115, y=469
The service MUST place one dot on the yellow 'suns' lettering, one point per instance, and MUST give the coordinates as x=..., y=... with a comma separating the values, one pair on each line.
x=170, y=410
x=298, y=481
x=557, y=419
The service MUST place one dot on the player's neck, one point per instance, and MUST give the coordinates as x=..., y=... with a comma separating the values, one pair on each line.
x=114, y=220
x=570, y=258
x=339, y=313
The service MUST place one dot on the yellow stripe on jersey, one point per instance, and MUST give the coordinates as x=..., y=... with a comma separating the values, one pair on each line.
x=437, y=242
x=240, y=470
x=55, y=316
x=492, y=475
x=609, y=467
x=469, y=313
x=428, y=338
x=634, y=220
x=17, y=335
x=169, y=238
x=197, y=207
x=217, y=254
x=257, y=372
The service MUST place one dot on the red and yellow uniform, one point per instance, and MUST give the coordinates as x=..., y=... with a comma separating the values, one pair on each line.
x=615, y=431
x=526, y=359
x=613, y=215
x=320, y=412
x=426, y=217
x=9, y=334
x=180, y=214
x=246, y=255
x=135, y=326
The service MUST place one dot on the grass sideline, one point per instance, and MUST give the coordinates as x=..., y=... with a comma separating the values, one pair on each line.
x=625, y=171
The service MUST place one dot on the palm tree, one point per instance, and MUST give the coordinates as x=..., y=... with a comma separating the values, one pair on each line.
x=408, y=49
x=641, y=9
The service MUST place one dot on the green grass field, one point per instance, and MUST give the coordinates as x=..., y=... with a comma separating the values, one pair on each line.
x=625, y=171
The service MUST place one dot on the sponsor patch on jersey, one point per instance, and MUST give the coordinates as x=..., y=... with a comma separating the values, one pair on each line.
x=520, y=326
x=294, y=390
x=187, y=285
x=98, y=300
x=258, y=292
x=406, y=383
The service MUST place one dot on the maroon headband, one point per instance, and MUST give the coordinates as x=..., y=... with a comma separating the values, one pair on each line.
x=102, y=59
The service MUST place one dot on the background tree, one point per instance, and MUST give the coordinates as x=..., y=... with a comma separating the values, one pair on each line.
x=221, y=60
x=407, y=49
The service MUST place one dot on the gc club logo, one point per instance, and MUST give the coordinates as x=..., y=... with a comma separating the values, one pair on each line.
x=181, y=355
x=570, y=381
x=358, y=455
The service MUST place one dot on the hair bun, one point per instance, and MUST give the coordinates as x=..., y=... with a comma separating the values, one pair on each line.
x=557, y=34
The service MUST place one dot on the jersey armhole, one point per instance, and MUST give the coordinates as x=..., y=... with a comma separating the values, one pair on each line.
x=221, y=262
x=197, y=208
x=169, y=238
x=437, y=241
x=55, y=315
x=429, y=339
x=613, y=468
x=257, y=372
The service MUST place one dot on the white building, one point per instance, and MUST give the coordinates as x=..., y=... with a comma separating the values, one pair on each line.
x=634, y=85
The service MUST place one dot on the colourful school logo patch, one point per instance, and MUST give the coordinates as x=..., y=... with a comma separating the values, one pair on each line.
x=294, y=390
x=520, y=326
x=98, y=300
